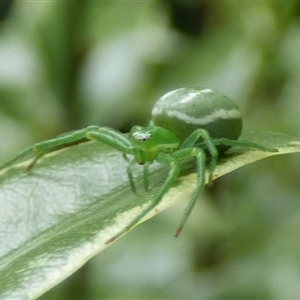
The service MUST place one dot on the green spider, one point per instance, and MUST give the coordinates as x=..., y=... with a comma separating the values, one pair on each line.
x=185, y=123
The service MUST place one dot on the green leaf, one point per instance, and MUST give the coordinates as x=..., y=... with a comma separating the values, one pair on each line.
x=58, y=215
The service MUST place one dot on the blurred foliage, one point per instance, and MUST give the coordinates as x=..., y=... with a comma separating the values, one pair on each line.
x=4, y=8
x=64, y=65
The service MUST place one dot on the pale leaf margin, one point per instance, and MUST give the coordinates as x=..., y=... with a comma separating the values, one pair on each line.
x=60, y=214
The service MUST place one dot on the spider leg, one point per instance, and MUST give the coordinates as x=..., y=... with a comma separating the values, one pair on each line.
x=43, y=148
x=109, y=137
x=130, y=174
x=243, y=144
x=201, y=162
x=163, y=158
x=105, y=135
x=173, y=160
x=192, y=139
x=146, y=175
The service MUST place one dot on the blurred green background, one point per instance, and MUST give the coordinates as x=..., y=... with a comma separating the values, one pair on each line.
x=66, y=65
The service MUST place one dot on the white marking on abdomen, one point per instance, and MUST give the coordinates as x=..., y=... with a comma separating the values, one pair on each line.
x=189, y=97
x=219, y=114
x=169, y=94
x=157, y=111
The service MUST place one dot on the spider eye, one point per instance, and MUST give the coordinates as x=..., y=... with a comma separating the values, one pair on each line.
x=142, y=136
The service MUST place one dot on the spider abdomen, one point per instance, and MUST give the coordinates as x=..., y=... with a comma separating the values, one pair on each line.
x=187, y=109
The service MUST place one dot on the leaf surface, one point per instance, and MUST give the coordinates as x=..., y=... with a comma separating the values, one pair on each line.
x=60, y=214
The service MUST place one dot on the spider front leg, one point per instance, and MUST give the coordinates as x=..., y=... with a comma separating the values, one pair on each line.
x=105, y=135
x=45, y=147
x=145, y=174
x=173, y=160
x=130, y=174
x=162, y=158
